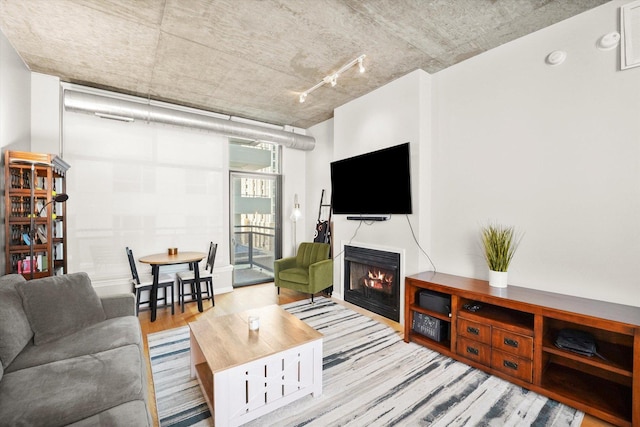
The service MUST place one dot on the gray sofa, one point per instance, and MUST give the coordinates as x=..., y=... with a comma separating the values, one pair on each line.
x=69, y=357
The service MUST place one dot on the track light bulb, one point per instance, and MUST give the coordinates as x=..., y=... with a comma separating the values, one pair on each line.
x=334, y=80
x=361, y=65
x=303, y=97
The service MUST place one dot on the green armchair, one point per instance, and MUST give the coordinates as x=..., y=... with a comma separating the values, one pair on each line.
x=310, y=271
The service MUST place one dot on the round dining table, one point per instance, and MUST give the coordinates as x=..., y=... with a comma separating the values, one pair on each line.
x=158, y=260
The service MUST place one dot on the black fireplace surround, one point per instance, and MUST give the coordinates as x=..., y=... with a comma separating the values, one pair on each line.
x=372, y=280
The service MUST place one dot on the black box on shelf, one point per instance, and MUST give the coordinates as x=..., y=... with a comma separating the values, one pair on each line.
x=430, y=327
x=434, y=301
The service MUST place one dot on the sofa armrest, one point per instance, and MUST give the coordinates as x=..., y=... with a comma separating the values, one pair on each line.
x=119, y=305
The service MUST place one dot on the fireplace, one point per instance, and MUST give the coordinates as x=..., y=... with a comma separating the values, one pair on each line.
x=372, y=280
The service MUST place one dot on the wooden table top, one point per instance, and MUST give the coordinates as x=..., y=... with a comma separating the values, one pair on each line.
x=179, y=258
x=226, y=341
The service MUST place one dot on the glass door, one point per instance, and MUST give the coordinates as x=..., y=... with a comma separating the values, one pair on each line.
x=255, y=204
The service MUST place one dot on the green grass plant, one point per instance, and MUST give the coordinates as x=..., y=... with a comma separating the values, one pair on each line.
x=500, y=243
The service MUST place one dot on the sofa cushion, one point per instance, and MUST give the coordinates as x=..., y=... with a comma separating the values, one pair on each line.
x=71, y=390
x=15, y=331
x=107, y=335
x=134, y=414
x=57, y=306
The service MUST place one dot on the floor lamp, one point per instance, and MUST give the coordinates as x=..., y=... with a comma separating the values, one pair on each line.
x=295, y=216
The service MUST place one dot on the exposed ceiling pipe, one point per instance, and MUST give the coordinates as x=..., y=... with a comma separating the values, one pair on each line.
x=125, y=110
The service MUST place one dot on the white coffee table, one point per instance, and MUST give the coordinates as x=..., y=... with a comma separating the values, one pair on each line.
x=245, y=374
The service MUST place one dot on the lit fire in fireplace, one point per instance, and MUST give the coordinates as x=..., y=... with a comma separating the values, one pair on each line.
x=379, y=281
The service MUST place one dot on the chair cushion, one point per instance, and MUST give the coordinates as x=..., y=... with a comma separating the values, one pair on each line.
x=147, y=279
x=296, y=275
x=189, y=275
x=57, y=306
x=15, y=331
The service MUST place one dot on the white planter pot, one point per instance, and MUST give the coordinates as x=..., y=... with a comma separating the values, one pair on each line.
x=498, y=279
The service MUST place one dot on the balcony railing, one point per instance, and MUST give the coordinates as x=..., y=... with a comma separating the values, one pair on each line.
x=254, y=246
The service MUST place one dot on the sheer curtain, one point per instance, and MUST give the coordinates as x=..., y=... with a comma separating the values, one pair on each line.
x=143, y=185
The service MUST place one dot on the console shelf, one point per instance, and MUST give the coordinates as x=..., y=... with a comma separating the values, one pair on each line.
x=617, y=359
x=510, y=333
x=583, y=391
x=444, y=317
x=508, y=319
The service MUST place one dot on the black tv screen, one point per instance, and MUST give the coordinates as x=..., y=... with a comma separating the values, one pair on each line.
x=375, y=183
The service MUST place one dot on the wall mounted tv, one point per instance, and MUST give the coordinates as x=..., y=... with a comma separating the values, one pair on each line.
x=372, y=185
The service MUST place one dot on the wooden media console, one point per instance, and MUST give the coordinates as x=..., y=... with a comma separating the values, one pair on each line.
x=510, y=332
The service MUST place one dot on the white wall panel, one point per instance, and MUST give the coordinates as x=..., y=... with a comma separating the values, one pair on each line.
x=553, y=151
x=15, y=99
x=388, y=116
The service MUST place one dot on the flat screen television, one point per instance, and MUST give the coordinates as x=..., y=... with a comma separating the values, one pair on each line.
x=372, y=184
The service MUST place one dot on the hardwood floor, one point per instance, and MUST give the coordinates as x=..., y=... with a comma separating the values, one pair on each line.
x=245, y=298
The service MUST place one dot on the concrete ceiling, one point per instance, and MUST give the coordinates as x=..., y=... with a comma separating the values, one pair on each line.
x=252, y=58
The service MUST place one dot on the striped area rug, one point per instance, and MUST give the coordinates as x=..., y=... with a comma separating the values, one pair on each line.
x=371, y=377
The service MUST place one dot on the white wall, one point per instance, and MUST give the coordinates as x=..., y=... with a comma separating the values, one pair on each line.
x=318, y=175
x=388, y=116
x=15, y=97
x=553, y=151
x=45, y=114
x=504, y=137
x=293, y=182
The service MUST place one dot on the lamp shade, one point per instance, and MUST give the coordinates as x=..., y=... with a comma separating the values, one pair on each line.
x=296, y=214
x=62, y=197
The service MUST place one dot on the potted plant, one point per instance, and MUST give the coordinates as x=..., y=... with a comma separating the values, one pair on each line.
x=499, y=243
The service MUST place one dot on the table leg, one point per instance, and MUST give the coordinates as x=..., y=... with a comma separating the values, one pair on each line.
x=196, y=277
x=153, y=297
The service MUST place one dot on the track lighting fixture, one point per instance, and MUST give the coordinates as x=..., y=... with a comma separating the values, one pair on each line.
x=332, y=79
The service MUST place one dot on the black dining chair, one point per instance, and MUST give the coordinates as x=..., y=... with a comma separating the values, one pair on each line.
x=187, y=279
x=145, y=283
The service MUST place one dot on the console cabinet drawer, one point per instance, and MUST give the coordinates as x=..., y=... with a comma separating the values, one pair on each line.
x=509, y=342
x=474, y=350
x=512, y=365
x=474, y=330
